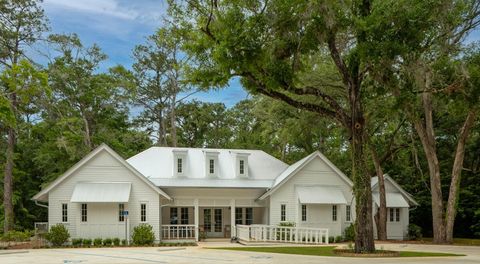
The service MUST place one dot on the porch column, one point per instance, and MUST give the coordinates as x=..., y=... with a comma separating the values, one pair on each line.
x=196, y=217
x=232, y=218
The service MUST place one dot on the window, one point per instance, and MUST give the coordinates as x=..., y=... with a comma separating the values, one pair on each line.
x=84, y=212
x=173, y=216
x=64, y=212
x=391, y=214
x=249, y=216
x=397, y=215
x=179, y=165
x=184, y=216
x=283, y=212
x=212, y=166
x=121, y=208
x=242, y=167
x=348, y=210
x=304, y=212
x=143, y=212
x=334, y=213
x=238, y=216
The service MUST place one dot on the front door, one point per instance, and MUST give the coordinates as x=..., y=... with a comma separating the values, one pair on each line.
x=213, y=222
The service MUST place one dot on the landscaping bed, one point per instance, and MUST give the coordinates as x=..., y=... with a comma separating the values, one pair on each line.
x=377, y=254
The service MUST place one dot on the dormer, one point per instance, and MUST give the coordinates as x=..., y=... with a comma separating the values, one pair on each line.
x=211, y=163
x=240, y=160
x=180, y=162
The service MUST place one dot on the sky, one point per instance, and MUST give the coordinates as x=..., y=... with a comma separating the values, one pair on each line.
x=117, y=26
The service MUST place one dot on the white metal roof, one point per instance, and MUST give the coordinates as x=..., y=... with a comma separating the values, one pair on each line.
x=320, y=195
x=393, y=200
x=156, y=163
x=374, y=183
x=101, y=192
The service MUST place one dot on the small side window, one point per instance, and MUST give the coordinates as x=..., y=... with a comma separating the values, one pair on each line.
x=334, y=213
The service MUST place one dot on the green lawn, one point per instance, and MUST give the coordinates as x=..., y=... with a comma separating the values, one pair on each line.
x=325, y=251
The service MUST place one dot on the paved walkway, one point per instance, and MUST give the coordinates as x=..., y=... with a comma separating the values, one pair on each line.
x=201, y=255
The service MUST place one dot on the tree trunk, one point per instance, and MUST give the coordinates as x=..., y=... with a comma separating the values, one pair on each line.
x=87, y=138
x=173, y=117
x=361, y=178
x=381, y=216
x=427, y=137
x=456, y=174
x=8, y=181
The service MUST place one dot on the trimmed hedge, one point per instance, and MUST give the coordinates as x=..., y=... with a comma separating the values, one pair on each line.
x=143, y=235
x=58, y=235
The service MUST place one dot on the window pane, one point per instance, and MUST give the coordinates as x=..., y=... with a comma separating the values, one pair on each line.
x=143, y=212
x=184, y=216
x=348, y=213
x=398, y=214
x=84, y=212
x=64, y=212
x=121, y=208
x=179, y=166
x=212, y=166
x=304, y=212
x=283, y=213
x=242, y=166
x=391, y=214
x=238, y=216
x=173, y=216
x=249, y=216
x=334, y=213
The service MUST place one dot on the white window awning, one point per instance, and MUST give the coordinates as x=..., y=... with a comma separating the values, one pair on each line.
x=101, y=192
x=321, y=195
x=393, y=200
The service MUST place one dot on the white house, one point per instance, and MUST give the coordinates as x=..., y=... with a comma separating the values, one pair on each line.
x=187, y=193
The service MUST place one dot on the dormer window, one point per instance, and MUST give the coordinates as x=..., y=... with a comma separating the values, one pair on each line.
x=179, y=162
x=212, y=166
x=240, y=161
x=242, y=167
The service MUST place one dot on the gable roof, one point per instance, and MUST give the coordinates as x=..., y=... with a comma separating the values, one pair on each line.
x=88, y=157
x=297, y=166
x=374, y=183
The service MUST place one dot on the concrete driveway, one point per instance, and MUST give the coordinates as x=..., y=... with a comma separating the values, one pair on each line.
x=210, y=256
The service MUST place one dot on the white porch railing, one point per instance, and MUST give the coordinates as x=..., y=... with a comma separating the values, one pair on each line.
x=178, y=232
x=286, y=234
x=41, y=227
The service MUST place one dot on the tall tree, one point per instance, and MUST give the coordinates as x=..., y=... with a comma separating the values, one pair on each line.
x=21, y=23
x=272, y=46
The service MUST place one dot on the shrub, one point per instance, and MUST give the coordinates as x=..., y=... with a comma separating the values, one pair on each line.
x=76, y=242
x=338, y=239
x=116, y=241
x=97, y=242
x=331, y=239
x=350, y=233
x=291, y=224
x=124, y=242
x=143, y=235
x=58, y=235
x=414, y=232
x=87, y=242
x=107, y=242
x=17, y=236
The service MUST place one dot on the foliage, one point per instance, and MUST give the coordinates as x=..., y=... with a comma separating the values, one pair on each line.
x=17, y=236
x=124, y=242
x=87, y=242
x=350, y=233
x=116, y=241
x=76, y=242
x=287, y=224
x=97, y=242
x=338, y=239
x=107, y=242
x=58, y=235
x=414, y=232
x=143, y=235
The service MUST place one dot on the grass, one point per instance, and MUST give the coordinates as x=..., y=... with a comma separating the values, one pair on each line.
x=459, y=241
x=325, y=251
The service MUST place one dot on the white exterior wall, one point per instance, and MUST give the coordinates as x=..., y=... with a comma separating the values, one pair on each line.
x=317, y=172
x=102, y=218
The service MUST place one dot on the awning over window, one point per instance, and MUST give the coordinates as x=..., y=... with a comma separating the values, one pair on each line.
x=320, y=195
x=393, y=200
x=101, y=192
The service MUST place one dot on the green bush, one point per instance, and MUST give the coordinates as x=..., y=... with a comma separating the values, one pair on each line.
x=87, y=242
x=116, y=241
x=107, y=242
x=76, y=242
x=17, y=236
x=97, y=242
x=338, y=239
x=143, y=235
x=414, y=232
x=350, y=233
x=124, y=242
x=58, y=235
x=331, y=239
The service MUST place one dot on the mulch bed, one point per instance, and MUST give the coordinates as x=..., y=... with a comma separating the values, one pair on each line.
x=378, y=253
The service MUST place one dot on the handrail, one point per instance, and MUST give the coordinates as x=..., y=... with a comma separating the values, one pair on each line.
x=288, y=234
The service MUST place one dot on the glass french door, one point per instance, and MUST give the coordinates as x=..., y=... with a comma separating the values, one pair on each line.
x=213, y=222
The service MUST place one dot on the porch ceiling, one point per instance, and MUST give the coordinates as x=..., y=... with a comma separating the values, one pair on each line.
x=101, y=192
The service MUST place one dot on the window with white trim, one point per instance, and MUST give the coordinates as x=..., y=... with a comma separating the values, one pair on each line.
x=238, y=215
x=304, y=212
x=211, y=165
x=64, y=212
x=334, y=213
x=143, y=212
x=184, y=216
x=397, y=215
x=348, y=212
x=249, y=216
x=242, y=167
x=179, y=165
x=84, y=213
x=394, y=214
x=283, y=212
x=173, y=215
x=121, y=209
